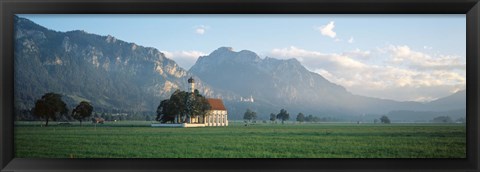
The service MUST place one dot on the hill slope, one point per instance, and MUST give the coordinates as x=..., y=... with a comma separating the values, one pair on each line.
x=110, y=73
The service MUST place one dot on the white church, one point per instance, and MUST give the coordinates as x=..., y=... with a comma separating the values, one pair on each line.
x=216, y=116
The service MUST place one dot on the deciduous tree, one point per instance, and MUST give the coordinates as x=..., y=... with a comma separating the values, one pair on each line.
x=165, y=115
x=197, y=105
x=283, y=115
x=182, y=106
x=300, y=117
x=50, y=106
x=82, y=111
x=273, y=117
x=384, y=119
x=249, y=115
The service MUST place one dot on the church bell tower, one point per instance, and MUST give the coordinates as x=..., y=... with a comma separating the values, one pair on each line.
x=191, y=85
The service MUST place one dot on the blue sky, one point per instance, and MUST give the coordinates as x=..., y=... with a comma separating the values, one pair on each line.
x=401, y=57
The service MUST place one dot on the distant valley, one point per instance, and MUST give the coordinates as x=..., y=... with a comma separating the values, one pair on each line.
x=115, y=75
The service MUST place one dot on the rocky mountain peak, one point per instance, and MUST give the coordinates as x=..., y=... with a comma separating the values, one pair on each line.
x=222, y=52
x=224, y=49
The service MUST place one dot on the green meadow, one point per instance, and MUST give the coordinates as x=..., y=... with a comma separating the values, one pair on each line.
x=136, y=139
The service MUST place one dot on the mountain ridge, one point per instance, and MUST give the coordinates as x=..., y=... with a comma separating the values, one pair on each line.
x=118, y=75
x=111, y=73
x=288, y=84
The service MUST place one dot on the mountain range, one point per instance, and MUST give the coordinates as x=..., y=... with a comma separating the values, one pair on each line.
x=115, y=75
x=110, y=73
x=287, y=83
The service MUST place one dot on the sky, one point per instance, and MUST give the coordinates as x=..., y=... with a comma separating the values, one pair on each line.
x=398, y=57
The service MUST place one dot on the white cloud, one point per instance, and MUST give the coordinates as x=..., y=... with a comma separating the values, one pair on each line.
x=315, y=59
x=201, y=29
x=422, y=61
x=419, y=76
x=184, y=59
x=351, y=40
x=357, y=53
x=327, y=30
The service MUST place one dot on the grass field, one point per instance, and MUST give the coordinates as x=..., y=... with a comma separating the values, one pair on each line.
x=139, y=140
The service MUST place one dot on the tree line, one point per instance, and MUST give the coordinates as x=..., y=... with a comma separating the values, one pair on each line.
x=310, y=118
x=250, y=117
x=51, y=107
x=181, y=106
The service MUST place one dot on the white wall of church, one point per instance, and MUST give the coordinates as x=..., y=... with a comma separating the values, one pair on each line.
x=217, y=118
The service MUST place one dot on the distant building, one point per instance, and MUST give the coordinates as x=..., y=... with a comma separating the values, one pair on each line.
x=247, y=99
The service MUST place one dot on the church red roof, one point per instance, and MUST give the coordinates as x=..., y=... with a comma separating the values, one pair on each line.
x=216, y=104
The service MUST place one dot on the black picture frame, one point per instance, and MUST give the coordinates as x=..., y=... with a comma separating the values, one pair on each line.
x=471, y=8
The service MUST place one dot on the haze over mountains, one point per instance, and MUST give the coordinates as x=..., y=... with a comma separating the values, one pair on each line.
x=113, y=74
x=286, y=83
